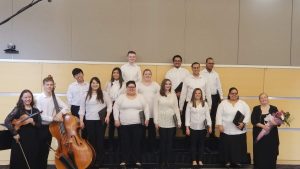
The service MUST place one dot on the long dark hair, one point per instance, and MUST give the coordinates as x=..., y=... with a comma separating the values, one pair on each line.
x=121, y=80
x=20, y=103
x=230, y=90
x=162, y=91
x=193, y=98
x=99, y=90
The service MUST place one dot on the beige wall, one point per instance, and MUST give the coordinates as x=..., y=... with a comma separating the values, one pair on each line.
x=278, y=82
x=232, y=31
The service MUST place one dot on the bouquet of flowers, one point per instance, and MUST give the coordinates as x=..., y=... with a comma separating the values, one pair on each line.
x=276, y=119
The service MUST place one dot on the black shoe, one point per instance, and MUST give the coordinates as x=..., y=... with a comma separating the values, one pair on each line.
x=162, y=165
x=227, y=165
x=237, y=165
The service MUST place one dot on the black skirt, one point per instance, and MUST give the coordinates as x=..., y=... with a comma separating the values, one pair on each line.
x=233, y=148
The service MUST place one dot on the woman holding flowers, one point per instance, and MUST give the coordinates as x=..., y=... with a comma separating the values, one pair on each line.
x=265, y=150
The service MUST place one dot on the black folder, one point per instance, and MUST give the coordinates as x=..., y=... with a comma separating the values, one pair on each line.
x=102, y=114
x=178, y=88
x=142, y=117
x=238, y=118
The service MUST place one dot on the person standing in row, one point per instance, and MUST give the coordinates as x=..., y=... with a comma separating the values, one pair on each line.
x=149, y=89
x=197, y=121
x=45, y=103
x=233, y=136
x=196, y=80
x=165, y=107
x=95, y=101
x=177, y=75
x=76, y=91
x=26, y=135
x=266, y=150
x=215, y=86
x=115, y=87
x=130, y=70
x=128, y=109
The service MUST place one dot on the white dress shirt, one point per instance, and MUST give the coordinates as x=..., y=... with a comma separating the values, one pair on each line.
x=114, y=90
x=164, y=109
x=189, y=84
x=131, y=72
x=76, y=92
x=177, y=75
x=226, y=113
x=92, y=106
x=149, y=92
x=45, y=103
x=195, y=116
x=127, y=110
x=214, y=82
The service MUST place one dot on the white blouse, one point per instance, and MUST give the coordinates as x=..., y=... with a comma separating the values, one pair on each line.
x=226, y=113
x=195, y=116
x=114, y=90
x=128, y=110
x=92, y=106
x=164, y=109
x=149, y=92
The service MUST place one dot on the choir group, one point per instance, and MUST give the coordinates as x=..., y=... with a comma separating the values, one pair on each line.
x=135, y=104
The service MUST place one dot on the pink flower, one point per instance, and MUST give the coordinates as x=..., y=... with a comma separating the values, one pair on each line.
x=272, y=121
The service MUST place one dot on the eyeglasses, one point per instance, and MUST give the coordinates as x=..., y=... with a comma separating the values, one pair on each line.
x=130, y=87
x=233, y=93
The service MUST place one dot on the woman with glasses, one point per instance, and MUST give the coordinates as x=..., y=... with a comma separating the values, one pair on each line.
x=233, y=135
x=128, y=111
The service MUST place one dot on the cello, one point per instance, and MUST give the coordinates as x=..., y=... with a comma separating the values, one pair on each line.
x=73, y=152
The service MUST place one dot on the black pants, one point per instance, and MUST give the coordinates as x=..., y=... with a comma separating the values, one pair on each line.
x=215, y=102
x=166, y=143
x=131, y=139
x=45, y=138
x=95, y=135
x=150, y=142
x=197, y=144
x=75, y=112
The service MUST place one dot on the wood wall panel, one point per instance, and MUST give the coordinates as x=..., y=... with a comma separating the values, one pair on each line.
x=249, y=81
x=282, y=82
x=20, y=76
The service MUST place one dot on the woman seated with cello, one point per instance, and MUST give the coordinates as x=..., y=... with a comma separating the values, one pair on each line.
x=23, y=122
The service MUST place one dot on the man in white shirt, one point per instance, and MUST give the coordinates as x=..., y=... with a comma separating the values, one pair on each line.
x=45, y=103
x=215, y=87
x=190, y=83
x=177, y=75
x=130, y=70
x=77, y=91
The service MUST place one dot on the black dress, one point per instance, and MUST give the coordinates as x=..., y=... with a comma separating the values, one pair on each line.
x=28, y=140
x=265, y=151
